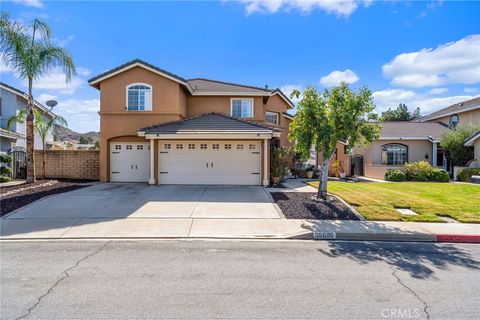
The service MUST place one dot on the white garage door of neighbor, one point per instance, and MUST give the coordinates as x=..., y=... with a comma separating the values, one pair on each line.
x=210, y=162
x=129, y=162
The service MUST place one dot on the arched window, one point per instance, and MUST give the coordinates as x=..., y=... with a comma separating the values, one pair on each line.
x=394, y=154
x=139, y=97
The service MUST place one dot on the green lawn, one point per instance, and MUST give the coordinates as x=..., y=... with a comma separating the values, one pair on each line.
x=377, y=200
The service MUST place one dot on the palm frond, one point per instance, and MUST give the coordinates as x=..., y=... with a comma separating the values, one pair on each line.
x=18, y=118
x=52, y=57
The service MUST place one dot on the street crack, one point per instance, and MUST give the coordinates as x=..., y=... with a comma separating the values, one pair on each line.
x=64, y=276
x=426, y=306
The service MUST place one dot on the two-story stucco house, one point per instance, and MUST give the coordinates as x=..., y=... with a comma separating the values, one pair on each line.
x=13, y=100
x=160, y=128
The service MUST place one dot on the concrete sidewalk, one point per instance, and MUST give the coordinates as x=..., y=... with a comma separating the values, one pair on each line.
x=90, y=228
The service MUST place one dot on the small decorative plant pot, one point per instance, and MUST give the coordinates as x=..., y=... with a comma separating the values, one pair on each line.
x=342, y=175
x=309, y=174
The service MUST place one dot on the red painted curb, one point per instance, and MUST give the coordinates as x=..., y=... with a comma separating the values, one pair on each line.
x=458, y=238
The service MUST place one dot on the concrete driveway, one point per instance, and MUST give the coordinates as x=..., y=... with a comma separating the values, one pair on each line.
x=116, y=200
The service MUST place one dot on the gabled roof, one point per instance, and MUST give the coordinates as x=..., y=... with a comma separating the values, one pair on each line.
x=24, y=95
x=412, y=130
x=132, y=64
x=208, y=123
x=196, y=86
x=460, y=107
x=471, y=140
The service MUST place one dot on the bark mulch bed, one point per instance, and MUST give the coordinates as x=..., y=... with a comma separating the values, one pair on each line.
x=14, y=197
x=299, y=205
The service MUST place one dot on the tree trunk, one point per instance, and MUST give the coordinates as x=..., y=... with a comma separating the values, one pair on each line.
x=30, y=136
x=322, y=187
x=43, y=161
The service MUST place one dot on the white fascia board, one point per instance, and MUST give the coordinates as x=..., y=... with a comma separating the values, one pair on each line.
x=404, y=138
x=471, y=141
x=282, y=96
x=287, y=116
x=138, y=64
x=199, y=136
x=224, y=93
x=428, y=118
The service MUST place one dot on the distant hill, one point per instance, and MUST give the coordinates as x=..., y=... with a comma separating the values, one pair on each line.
x=64, y=134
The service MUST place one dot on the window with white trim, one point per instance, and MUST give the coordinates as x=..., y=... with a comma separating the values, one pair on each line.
x=191, y=146
x=203, y=146
x=394, y=154
x=118, y=147
x=139, y=97
x=251, y=146
x=271, y=117
x=215, y=146
x=167, y=146
x=179, y=146
x=240, y=146
x=129, y=147
x=139, y=147
x=228, y=146
x=242, y=108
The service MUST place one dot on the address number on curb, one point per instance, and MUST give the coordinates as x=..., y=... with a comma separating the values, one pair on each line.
x=324, y=235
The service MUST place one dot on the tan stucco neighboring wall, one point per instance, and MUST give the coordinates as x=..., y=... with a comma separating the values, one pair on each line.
x=416, y=150
x=465, y=118
x=372, y=155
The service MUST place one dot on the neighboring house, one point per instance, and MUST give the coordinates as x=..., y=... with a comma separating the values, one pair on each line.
x=160, y=128
x=474, y=140
x=13, y=100
x=418, y=140
x=400, y=142
x=463, y=113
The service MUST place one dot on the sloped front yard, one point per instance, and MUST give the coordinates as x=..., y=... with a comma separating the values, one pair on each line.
x=377, y=200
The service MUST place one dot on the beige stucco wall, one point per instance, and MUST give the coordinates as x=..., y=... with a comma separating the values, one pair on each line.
x=372, y=155
x=465, y=118
x=170, y=102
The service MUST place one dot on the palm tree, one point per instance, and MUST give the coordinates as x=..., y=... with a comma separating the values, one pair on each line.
x=29, y=52
x=43, y=125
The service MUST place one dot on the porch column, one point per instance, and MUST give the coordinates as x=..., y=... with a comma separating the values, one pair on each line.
x=265, y=162
x=152, y=162
x=434, y=153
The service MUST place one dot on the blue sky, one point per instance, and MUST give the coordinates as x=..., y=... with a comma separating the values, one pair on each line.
x=423, y=53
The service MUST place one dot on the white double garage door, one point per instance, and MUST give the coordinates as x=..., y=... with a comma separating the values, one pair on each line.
x=188, y=162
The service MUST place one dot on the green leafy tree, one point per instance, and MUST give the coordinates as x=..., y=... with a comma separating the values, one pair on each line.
x=453, y=143
x=85, y=140
x=28, y=50
x=324, y=118
x=42, y=124
x=401, y=113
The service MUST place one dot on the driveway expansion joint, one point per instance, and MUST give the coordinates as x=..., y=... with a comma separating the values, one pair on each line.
x=65, y=276
x=426, y=306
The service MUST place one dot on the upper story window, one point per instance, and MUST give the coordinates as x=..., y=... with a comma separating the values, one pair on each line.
x=242, y=108
x=271, y=117
x=394, y=154
x=454, y=119
x=139, y=97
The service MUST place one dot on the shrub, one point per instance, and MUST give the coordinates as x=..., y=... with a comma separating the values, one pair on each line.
x=4, y=179
x=453, y=143
x=466, y=174
x=439, y=175
x=418, y=171
x=5, y=159
x=282, y=159
x=394, y=175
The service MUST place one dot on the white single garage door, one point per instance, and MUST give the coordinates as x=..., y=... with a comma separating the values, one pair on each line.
x=129, y=162
x=210, y=162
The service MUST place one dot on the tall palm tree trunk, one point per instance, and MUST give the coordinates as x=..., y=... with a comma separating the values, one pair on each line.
x=30, y=136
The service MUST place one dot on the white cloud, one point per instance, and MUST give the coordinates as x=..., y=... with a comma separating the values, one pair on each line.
x=335, y=77
x=453, y=62
x=435, y=91
x=471, y=90
x=30, y=3
x=3, y=66
x=44, y=97
x=391, y=98
x=63, y=42
x=55, y=81
x=342, y=8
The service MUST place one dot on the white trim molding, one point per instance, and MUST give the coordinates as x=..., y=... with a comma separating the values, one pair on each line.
x=472, y=139
x=127, y=87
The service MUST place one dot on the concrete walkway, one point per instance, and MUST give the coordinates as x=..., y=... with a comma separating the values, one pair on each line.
x=90, y=228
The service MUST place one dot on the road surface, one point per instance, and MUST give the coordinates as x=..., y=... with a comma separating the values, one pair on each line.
x=238, y=279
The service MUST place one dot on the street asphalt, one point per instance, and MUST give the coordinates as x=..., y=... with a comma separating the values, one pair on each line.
x=238, y=279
